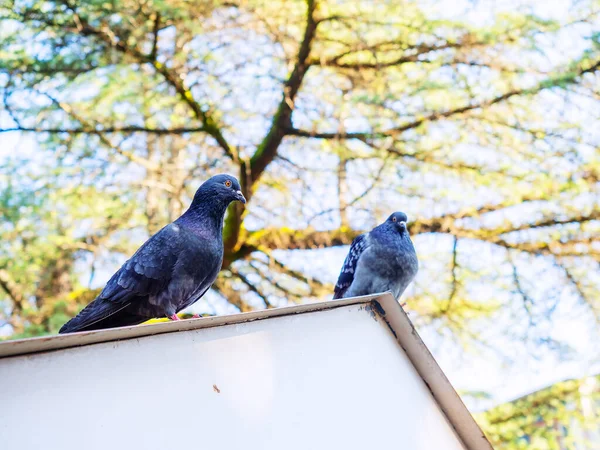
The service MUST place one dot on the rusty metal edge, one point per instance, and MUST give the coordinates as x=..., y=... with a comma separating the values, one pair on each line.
x=383, y=304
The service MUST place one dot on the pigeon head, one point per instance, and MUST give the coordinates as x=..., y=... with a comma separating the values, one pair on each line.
x=398, y=221
x=222, y=189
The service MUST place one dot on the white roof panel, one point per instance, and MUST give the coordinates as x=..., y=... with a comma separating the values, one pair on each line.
x=350, y=374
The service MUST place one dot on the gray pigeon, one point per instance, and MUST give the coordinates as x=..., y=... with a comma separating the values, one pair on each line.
x=172, y=270
x=383, y=259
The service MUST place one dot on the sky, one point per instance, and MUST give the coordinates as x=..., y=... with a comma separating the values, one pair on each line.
x=505, y=375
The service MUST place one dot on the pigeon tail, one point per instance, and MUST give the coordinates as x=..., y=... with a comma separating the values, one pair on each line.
x=101, y=314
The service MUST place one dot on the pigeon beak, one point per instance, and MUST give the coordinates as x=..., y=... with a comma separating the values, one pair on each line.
x=240, y=196
x=402, y=225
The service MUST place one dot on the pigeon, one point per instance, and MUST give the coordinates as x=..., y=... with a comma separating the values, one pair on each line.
x=171, y=270
x=381, y=260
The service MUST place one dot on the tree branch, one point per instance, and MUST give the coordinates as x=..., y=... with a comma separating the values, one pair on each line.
x=147, y=164
x=13, y=291
x=155, y=37
x=107, y=130
x=454, y=286
x=174, y=79
x=266, y=151
x=232, y=296
x=285, y=238
x=344, y=205
x=253, y=288
x=550, y=221
x=577, y=285
x=314, y=284
x=413, y=57
x=438, y=115
x=527, y=300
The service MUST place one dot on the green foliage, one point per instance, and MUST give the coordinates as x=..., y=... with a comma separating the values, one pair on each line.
x=564, y=415
x=331, y=114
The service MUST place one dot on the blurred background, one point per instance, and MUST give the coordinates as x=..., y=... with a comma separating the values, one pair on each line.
x=479, y=119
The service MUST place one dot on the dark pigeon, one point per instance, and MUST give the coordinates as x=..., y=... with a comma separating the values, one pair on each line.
x=383, y=259
x=172, y=270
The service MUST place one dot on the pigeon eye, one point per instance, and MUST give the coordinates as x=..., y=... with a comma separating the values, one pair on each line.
x=394, y=219
x=228, y=183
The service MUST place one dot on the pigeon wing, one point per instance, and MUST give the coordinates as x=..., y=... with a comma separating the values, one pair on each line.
x=349, y=268
x=148, y=271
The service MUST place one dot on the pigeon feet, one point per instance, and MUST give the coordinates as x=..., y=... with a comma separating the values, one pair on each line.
x=174, y=317
x=196, y=316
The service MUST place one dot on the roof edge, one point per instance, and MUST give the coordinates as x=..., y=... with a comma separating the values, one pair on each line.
x=25, y=346
x=431, y=373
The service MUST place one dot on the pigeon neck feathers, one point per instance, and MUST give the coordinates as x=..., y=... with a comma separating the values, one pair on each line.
x=388, y=232
x=206, y=212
